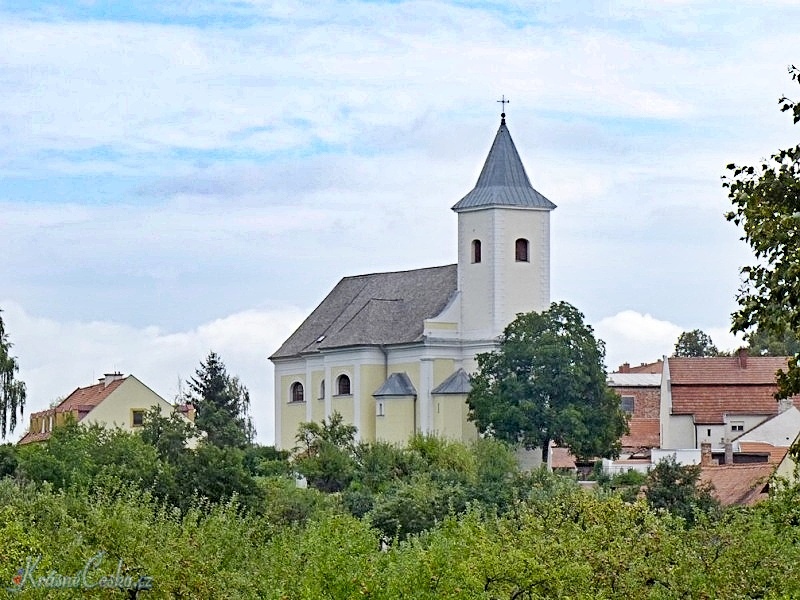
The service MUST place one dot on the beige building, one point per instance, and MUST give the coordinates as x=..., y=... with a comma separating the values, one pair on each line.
x=115, y=401
x=392, y=351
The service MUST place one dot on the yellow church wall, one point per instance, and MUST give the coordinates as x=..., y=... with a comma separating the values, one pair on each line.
x=316, y=398
x=442, y=369
x=396, y=426
x=344, y=406
x=292, y=413
x=372, y=377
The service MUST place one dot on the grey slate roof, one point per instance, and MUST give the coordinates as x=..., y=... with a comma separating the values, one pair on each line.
x=397, y=384
x=375, y=309
x=503, y=181
x=457, y=383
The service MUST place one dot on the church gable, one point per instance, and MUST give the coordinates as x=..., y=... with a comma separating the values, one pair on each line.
x=374, y=309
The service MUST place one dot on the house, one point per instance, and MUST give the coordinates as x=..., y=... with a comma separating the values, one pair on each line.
x=716, y=399
x=392, y=351
x=735, y=484
x=774, y=436
x=640, y=396
x=114, y=401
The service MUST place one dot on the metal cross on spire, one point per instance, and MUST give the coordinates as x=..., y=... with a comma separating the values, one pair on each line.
x=503, y=101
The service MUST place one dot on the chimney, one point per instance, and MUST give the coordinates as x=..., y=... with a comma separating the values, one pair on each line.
x=624, y=368
x=784, y=404
x=728, y=453
x=107, y=378
x=741, y=353
x=705, y=454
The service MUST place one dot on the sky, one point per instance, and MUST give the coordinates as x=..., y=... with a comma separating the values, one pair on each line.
x=183, y=177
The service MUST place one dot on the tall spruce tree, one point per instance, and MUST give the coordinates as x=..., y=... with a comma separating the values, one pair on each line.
x=12, y=390
x=222, y=404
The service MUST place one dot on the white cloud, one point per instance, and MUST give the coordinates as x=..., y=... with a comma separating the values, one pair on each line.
x=636, y=338
x=55, y=358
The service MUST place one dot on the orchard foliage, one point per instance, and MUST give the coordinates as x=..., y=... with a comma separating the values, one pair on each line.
x=567, y=544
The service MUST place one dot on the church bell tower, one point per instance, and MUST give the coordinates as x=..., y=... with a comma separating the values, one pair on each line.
x=503, y=244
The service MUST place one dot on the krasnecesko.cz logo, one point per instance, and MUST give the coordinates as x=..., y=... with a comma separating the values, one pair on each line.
x=88, y=578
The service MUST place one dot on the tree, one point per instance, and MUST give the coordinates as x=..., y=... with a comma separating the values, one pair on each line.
x=327, y=459
x=766, y=203
x=547, y=382
x=12, y=390
x=762, y=342
x=222, y=403
x=677, y=488
x=695, y=343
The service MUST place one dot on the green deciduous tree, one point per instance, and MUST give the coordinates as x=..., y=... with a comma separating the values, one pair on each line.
x=766, y=203
x=762, y=342
x=677, y=488
x=546, y=383
x=12, y=390
x=695, y=343
x=326, y=457
x=222, y=403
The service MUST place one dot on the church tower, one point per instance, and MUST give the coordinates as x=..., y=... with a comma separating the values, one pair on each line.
x=503, y=244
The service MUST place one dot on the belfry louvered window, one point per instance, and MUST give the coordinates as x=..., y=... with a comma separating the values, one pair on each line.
x=521, y=250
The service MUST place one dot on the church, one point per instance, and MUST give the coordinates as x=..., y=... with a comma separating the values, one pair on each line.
x=392, y=351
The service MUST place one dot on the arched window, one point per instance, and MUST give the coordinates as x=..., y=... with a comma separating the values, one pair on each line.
x=521, y=250
x=343, y=385
x=476, y=251
x=296, y=392
x=322, y=389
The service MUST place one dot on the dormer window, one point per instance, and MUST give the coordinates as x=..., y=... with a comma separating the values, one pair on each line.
x=476, y=251
x=521, y=250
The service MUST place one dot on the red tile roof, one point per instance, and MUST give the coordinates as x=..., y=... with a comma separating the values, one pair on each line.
x=561, y=458
x=33, y=437
x=726, y=370
x=80, y=402
x=738, y=484
x=776, y=453
x=89, y=396
x=643, y=432
x=709, y=388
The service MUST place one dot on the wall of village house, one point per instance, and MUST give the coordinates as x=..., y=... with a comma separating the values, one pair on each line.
x=118, y=408
x=644, y=421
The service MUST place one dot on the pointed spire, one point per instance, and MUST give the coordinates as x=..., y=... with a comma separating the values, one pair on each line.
x=503, y=181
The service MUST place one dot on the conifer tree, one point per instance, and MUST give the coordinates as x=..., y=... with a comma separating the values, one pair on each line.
x=222, y=404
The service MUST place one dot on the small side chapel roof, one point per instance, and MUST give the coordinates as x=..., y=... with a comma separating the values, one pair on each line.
x=503, y=181
x=397, y=384
x=457, y=383
x=374, y=310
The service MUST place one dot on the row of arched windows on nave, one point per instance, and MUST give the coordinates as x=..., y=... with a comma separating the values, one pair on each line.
x=297, y=393
x=521, y=250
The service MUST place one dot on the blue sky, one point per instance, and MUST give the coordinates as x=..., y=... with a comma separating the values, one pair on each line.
x=177, y=177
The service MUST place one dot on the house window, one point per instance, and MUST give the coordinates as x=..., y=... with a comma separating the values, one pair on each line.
x=476, y=251
x=322, y=390
x=380, y=409
x=708, y=432
x=626, y=404
x=737, y=425
x=137, y=417
x=343, y=385
x=296, y=392
x=521, y=250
